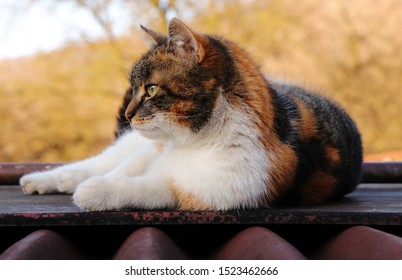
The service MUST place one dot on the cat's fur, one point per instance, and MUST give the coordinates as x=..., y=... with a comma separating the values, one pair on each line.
x=216, y=135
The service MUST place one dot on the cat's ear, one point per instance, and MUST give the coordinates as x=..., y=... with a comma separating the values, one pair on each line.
x=157, y=37
x=186, y=41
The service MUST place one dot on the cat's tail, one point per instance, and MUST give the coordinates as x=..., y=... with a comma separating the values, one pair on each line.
x=123, y=124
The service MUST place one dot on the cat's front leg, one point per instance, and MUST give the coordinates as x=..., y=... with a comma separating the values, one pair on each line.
x=63, y=179
x=120, y=192
x=40, y=182
x=137, y=163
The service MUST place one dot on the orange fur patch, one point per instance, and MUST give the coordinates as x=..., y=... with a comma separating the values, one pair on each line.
x=180, y=111
x=281, y=178
x=285, y=163
x=319, y=188
x=255, y=85
x=185, y=200
x=333, y=155
x=210, y=84
x=308, y=124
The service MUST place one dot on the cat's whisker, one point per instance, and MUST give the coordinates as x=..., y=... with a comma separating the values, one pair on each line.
x=168, y=127
x=175, y=115
x=124, y=71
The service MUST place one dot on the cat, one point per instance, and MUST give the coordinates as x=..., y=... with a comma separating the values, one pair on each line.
x=203, y=129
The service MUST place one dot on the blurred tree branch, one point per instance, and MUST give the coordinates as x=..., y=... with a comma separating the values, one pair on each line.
x=161, y=10
x=99, y=11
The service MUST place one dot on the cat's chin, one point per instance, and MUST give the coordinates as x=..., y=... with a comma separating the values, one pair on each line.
x=153, y=134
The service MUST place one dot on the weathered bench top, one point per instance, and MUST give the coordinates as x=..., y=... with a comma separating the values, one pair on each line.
x=370, y=204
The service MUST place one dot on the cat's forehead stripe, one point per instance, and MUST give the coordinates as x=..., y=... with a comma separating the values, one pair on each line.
x=158, y=59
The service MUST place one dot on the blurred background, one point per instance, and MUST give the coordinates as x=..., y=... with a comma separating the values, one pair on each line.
x=64, y=64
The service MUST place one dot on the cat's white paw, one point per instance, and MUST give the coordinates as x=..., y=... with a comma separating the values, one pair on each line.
x=97, y=194
x=68, y=181
x=40, y=183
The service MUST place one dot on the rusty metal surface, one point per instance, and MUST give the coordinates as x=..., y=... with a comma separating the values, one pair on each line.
x=258, y=243
x=149, y=243
x=41, y=245
x=373, y=172
x=252, y=243
x=368, y=205
x=361, y=243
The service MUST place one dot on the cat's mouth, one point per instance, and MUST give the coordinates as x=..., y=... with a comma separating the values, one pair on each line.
x=148, y=130
x=141, y=121
x=145, y=125
x=142, y=125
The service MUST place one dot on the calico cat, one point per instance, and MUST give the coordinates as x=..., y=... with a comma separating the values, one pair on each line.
x=207, y=130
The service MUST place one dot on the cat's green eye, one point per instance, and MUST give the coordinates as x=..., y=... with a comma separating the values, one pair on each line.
x=151, y=90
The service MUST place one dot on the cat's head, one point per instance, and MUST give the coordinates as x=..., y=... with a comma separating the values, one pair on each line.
x=178, y=84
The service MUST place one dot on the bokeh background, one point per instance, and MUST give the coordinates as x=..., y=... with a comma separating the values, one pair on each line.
x=64, y=64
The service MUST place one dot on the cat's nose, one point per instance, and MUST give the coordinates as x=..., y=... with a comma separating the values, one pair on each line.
x=129, y=115
x=130, y=110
